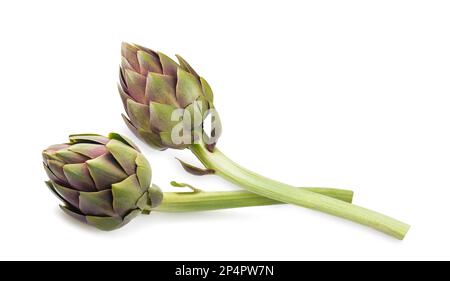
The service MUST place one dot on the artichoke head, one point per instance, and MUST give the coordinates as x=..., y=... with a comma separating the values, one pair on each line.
x=166, y=103
x=102, y=181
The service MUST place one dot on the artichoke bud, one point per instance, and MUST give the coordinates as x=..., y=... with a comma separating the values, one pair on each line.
x=102, y=181
x=166, y=103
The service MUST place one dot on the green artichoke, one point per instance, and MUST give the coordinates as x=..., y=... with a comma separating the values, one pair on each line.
x=154, y=89
x=103, y=181
x=106, y=181
x=166, y=102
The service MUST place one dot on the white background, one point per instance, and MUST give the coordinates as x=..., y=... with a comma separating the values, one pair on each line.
x=351, y=94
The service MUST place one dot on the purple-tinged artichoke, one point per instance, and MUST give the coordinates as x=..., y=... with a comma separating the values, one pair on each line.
x=166, y=102
x=106, y=181
x=103, y=181
x=154, y=88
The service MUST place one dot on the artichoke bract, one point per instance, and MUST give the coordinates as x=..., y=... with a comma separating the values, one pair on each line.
x=103, y=181
x=163, y=99
x=166, y=102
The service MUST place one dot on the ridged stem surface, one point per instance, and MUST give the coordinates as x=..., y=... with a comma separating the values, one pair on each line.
x=278, y=191
x=217, y=200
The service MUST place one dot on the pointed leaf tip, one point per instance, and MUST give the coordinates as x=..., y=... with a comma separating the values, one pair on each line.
x=188, y=88
x=139, y=114
x=169, y=66
x=161, y=116
x=78, y=177
x=105, y=171
x=207, y=91
x=195, y=170
x=96, y=203
x=128, y=52
x=73, y=213
x=125, y=155
x=148, y=62
x=160, y=88
x=135, y=85
x=124, y=139
x=185, y=65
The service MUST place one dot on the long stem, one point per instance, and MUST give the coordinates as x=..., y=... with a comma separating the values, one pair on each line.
x=289, y=194
x=205, y=201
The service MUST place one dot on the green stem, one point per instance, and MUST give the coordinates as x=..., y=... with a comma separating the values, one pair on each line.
x=205, y=201
x=289, y=194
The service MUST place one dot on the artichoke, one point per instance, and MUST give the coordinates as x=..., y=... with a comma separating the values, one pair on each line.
x=154, y=89
x=105, y=182
x=166, y=102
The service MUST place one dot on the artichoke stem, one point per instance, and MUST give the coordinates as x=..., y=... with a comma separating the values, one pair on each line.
x=206, y=201
x=278, y=191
